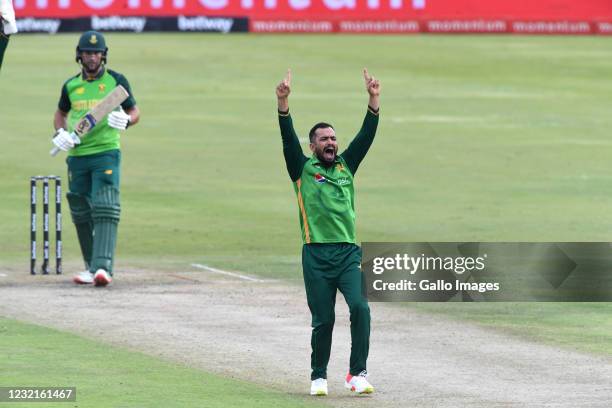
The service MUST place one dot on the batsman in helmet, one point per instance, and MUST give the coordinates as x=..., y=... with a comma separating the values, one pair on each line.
x=94, y=162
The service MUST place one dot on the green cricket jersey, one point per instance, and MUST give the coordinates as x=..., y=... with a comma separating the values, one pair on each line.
x=79, y=96
x=325, y=194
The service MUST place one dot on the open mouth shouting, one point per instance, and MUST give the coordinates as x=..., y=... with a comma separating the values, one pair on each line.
x=329, y=153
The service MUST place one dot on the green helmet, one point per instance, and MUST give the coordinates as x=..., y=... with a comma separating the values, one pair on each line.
x=91, y=41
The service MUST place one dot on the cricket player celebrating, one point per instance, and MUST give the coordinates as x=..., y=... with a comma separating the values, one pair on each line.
x=331, y=259
x=8, y=25
x=94, y=162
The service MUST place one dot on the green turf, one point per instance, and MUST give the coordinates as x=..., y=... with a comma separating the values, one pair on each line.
x=482, y=138
x=579, y=326
x=111, y=377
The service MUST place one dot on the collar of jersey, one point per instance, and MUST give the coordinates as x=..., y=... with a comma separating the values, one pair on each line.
x=102, y=71
x=315, y=160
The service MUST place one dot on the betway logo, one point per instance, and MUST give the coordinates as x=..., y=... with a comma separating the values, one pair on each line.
x=38, y=25
x=223, y=25
x=135, y=24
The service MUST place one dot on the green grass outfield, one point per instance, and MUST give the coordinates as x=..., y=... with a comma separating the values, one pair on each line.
x=106, y=376
x=585, y=327
x=482, y=138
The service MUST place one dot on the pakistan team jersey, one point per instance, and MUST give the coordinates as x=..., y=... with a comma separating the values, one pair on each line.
x=79, y=96
x=325, y=194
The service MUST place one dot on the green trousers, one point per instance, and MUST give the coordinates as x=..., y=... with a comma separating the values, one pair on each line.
x=95, y=207
x=327, y=269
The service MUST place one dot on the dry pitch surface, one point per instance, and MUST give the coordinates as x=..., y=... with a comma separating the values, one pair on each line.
x=259, y=331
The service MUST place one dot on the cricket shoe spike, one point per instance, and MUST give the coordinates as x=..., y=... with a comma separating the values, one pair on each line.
x=358, y=383
x=318, y=387
x=102, y=278
x=83, y=278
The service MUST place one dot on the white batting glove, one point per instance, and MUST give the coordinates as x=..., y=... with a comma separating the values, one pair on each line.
x=65, y=140
x=9, y=25
x=118, y=120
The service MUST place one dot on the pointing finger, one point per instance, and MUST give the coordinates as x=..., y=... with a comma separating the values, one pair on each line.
x=288, y=77
x=366, y=75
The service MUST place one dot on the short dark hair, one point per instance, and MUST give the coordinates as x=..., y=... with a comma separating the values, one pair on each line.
x=320, y=125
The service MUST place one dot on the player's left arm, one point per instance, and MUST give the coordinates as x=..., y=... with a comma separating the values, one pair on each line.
x=129, y=114
x=360, y=145
x=134, y=114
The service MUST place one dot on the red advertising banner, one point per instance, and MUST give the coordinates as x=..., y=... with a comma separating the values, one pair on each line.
x=399, y=16
x=321, y=9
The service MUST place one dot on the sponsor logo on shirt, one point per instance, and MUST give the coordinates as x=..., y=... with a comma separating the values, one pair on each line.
x=319, y=178
x=84, y=105
x=80, y=91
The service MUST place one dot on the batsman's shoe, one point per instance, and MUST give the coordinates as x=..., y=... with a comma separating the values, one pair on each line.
x=318, y=387
x=359, y=383
x=102, y=278
x=83, y=278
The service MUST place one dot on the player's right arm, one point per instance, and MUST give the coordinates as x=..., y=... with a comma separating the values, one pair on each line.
x=60, y=119
x=62, y=139
x=294, y=157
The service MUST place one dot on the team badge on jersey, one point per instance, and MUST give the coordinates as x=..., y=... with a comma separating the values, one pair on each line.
x=102, y=87
x=339, y=167
x=319, y=178
x=80, y=91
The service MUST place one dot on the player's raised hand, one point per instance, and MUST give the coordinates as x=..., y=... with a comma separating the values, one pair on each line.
x=284, y=88
x=372, y=84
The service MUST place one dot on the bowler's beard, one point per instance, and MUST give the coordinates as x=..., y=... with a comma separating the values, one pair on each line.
x=327, y=155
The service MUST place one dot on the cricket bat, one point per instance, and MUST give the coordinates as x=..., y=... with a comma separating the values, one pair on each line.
x=97, y=113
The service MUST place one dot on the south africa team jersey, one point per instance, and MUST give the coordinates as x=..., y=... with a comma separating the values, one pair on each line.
x=79, y=96
x=325, y=194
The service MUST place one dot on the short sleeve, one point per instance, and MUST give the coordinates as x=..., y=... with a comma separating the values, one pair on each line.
x=64, y=102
